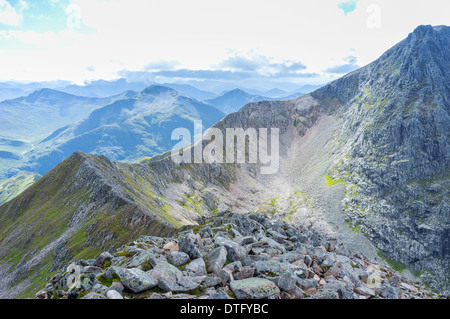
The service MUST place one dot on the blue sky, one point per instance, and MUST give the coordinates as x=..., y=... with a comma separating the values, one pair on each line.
x=306, y=42
x=348, y=6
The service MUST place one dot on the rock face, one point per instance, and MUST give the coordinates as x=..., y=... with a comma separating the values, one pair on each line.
x=395, y=153
x=302, y=269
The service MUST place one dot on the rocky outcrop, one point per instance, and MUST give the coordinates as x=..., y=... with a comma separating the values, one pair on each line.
x=395, y=153
x=279, y=261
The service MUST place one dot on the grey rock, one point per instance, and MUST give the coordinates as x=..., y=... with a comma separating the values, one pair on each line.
x=226, y=276
x=365, y=291
x=94, y=295
x=135, y=279
x=218, y=294
x=196, y=267
x=287, y=282
x=113, y=294
x=92, y=270
x=235, y=251
x=326, y=294
x=189, y=245
x=247, y=240
x=101, y=289
x=212, y=281
x=43, y=294
x=389, y=292
x=254, y=288
x=216, y=259
x=170, y=278
x=178, y=258
x=244, y=273
x=117, y=286
x=102, y=259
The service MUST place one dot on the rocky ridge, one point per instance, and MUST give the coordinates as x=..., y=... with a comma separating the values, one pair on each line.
x=242, y=256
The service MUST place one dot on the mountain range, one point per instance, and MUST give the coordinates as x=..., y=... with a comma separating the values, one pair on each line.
x=364, y=161
x=126, y=127
x=232, y=101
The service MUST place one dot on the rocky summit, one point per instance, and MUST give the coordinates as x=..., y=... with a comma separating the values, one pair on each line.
x=232, y=256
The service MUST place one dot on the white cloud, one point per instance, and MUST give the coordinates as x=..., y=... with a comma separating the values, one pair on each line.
x=8, y=14
x=201, y=34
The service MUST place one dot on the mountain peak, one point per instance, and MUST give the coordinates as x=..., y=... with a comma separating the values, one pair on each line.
x=429, y=29
x=159, y=89
x=45, y=93
x=236, y=91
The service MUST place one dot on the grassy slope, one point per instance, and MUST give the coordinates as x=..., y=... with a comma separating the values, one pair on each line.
x=65, y=204
x=11, y=187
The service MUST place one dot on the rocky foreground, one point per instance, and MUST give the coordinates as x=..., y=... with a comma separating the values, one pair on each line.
x=243, y=256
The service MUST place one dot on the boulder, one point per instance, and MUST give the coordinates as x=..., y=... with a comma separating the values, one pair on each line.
x=216, y=259
x=170, y=278
x=178, y=258
x=235, y=251
x=189, y=245
x=135, y=279
x=254, y=288
x=112, y=294
x=196, y=267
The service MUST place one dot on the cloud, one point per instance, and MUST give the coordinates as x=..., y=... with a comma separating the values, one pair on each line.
x=348, y=6
x=262, y=65
x=347, y=67
x=233, y=68
x=9, y=15
x=161, y=65
x=217, y=75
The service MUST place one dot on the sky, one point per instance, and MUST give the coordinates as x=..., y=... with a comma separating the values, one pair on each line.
x=304, y=42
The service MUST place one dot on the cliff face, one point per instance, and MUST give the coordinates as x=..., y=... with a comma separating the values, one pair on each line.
x=364, y=160
x=395, y=152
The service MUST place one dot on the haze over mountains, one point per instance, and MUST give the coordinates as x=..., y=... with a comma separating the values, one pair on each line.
x=364, y=161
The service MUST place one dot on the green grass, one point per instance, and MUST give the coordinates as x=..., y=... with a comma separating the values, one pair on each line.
x=355, y=228
x=11, y=187
x=397, y=266
x=331, y=182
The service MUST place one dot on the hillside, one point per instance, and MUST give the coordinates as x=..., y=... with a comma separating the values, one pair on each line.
x=11, y=187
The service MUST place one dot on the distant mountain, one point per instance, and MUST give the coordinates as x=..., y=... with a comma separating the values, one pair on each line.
x=234, y=100
x=190, y=90
x=126, y=130
x=12, y=90
x=275, y=92
x=31, y=118
x=26, y=121
x=103, y=88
